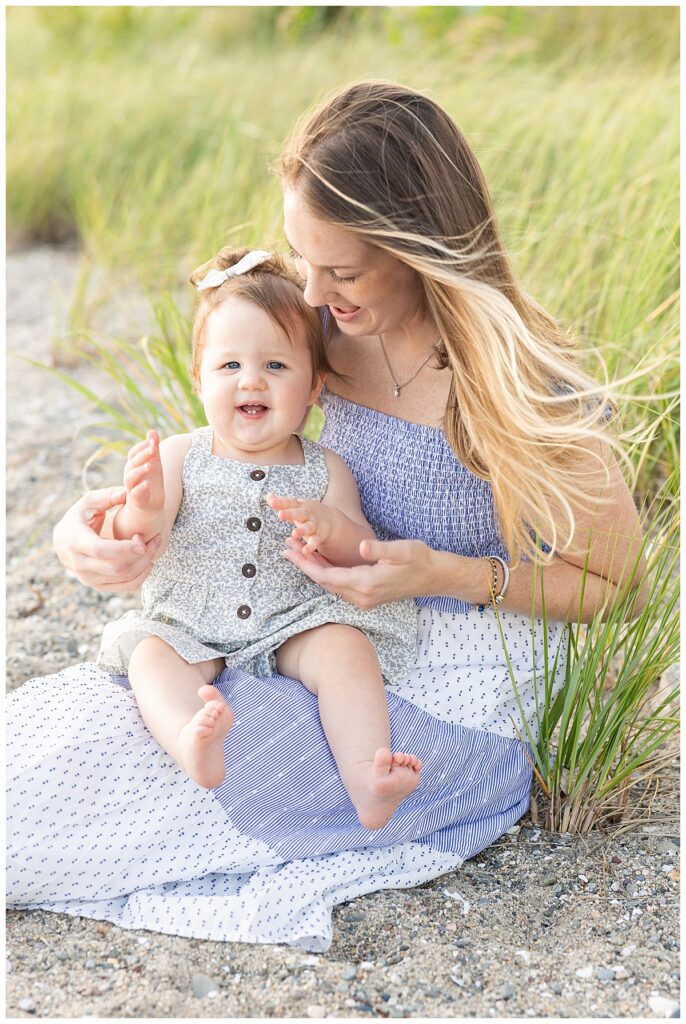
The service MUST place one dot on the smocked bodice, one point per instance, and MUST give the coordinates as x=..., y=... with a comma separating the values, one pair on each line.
x=412, y=485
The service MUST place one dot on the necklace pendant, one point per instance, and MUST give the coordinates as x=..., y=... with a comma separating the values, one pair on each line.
x=396, y=391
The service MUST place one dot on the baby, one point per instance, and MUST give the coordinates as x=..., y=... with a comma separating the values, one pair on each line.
x=220, y=592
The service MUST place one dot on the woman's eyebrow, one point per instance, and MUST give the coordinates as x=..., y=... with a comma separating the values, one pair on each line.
x=339, y=266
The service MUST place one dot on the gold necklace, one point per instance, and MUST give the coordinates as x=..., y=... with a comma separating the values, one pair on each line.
x=398, y=386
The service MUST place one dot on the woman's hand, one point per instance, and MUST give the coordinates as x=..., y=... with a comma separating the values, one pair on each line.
x=112, y=565
x=401, y=569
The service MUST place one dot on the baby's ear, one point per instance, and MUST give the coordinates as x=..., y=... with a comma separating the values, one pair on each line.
x=317, y=386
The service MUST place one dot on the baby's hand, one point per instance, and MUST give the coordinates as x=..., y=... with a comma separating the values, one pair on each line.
x=143, y=477
x=314, y=523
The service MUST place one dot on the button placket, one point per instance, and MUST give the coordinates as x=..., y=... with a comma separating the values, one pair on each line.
x=254, y=525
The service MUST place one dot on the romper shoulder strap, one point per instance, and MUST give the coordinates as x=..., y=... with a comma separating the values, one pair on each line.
x=201, y=439
x=315, y=462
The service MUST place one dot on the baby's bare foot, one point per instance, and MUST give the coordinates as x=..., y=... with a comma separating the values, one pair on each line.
x=382, y=785
x=201, y=741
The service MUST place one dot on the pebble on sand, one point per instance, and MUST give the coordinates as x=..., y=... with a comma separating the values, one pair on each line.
x=203, y=986
x=663, y=1006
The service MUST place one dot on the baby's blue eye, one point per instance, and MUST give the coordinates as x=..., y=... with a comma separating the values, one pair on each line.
x=232, y=365
x=274, y=364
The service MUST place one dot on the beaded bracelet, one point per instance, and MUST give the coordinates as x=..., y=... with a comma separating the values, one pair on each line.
x=497, y=598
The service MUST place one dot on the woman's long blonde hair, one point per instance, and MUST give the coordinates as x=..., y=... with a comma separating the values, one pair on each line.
x=388, y=164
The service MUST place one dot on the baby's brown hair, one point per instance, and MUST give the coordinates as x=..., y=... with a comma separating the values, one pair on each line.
x=273, y=286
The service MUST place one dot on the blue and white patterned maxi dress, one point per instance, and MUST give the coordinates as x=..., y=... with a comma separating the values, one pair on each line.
x=102, y=823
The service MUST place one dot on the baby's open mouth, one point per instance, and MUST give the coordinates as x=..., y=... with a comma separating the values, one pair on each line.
x=252, y=409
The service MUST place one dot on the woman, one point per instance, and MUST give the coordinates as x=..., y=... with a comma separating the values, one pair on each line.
x=484, y=464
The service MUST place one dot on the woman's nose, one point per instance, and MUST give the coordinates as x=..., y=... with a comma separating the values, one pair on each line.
x=317, y=289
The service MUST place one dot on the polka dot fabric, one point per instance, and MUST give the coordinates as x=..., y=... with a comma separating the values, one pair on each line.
x=462, y=675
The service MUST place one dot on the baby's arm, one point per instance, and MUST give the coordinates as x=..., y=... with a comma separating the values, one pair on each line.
x=334, y=526
x=153, y=481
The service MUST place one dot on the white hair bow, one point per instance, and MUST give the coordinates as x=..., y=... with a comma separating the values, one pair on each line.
x=216, y=277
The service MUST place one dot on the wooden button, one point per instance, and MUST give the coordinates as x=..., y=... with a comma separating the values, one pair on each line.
x=244, y=612
x=257, y=474
x=254, y=524
x=249, y=570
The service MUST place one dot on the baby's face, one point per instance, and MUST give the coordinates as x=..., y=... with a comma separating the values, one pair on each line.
x=255, y=384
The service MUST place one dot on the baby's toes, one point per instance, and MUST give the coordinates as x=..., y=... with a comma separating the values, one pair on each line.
x=205, y=720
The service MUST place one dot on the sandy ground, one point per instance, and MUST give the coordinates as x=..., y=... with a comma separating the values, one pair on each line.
x=539, y=925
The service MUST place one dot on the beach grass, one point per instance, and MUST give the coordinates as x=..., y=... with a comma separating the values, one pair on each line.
x=148, y=133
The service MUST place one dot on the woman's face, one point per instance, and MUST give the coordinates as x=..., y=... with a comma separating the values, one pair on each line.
x=367, y=290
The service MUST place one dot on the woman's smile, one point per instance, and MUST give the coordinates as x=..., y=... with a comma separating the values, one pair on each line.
x=343, y=313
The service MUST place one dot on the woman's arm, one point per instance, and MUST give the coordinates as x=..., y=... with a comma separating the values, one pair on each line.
x=410, y=568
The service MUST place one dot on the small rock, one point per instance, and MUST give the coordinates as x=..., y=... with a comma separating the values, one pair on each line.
x=556, y=987
x=615, y=859
x=396, y=1011
x=507, y=991
x=349, y=973
x=89, y=965
x=628, y=950
x=663, y=1006
x=585, y=972
x=621, y=973
x=604, y=974
x=548, y=879
x=315, y=1010
x=8, y=966
x=27, y=1005
x=203, y=986
x=342, y=986
x=431, y=992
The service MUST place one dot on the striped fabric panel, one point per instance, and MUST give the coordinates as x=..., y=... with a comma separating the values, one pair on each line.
x=286, y=791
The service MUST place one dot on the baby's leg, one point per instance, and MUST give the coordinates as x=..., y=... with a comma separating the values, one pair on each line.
x=186, y=716
x=339, y=665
